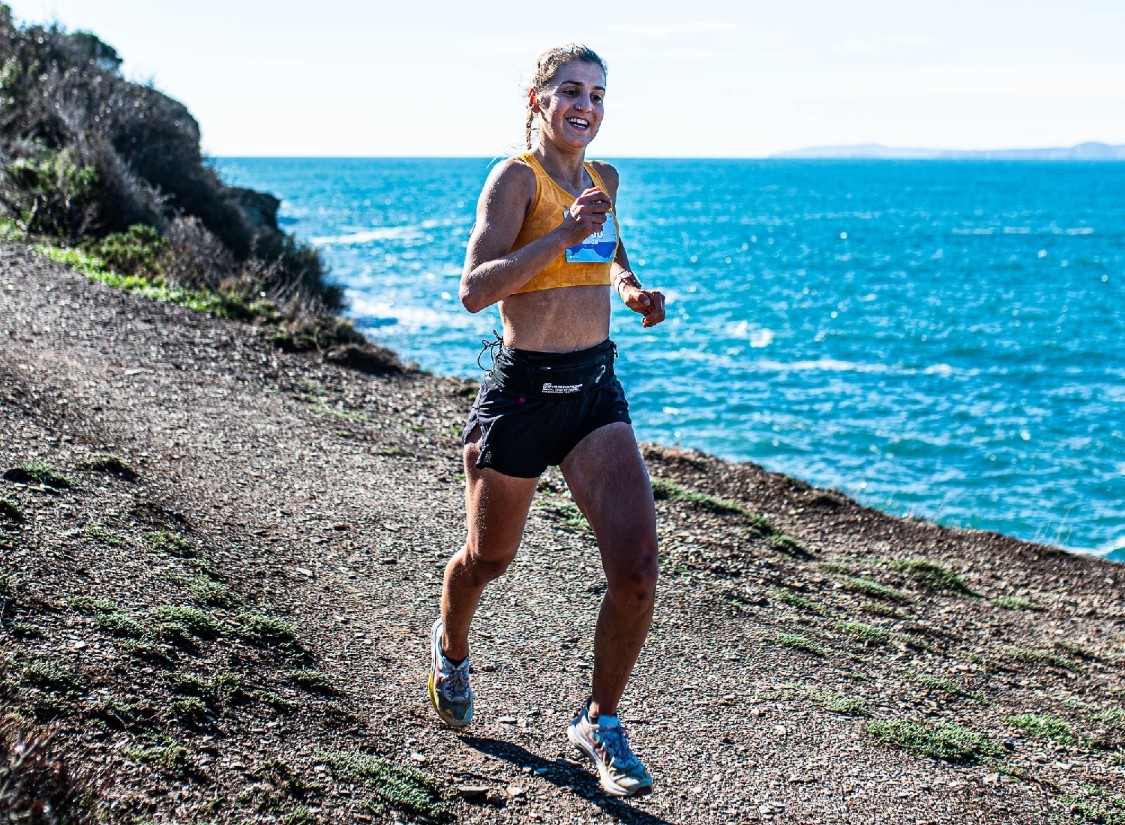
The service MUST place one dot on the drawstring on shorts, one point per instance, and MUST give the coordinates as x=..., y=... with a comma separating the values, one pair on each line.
x=491, y=346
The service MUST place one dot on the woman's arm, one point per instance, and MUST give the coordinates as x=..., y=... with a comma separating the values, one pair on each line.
x=492, y=272
x=648, y=303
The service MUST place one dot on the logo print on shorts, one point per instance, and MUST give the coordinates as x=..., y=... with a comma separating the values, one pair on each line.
x=561, y=388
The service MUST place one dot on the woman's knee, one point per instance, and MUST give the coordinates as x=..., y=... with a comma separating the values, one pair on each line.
x=631, y=579
x=483, y=569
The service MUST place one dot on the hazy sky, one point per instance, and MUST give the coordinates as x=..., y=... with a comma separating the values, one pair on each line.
x=704, y=78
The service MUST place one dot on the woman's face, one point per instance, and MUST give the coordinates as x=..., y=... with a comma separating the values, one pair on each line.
x=571, y=107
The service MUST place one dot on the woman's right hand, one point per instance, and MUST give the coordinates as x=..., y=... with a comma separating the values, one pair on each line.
x=586, y=216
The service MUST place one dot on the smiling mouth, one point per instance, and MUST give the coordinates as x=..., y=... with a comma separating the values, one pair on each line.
x=578, y=123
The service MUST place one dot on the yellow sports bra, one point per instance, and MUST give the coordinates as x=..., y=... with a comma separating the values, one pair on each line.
x=585, y=264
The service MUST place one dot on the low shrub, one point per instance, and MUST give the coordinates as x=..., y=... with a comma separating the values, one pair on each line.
x=941, y=741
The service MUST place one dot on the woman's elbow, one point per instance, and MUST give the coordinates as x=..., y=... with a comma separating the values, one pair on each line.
x=471, y=300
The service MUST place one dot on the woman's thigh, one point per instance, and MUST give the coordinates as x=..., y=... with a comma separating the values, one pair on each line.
x=609, y=482
x=496, y=508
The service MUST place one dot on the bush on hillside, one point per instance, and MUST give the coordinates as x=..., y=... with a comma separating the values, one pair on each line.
x=87, y=156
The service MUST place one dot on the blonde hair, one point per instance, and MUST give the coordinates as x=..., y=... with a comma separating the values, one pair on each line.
x=547, y=66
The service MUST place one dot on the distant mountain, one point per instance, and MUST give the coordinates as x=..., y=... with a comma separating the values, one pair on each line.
x=874, y=151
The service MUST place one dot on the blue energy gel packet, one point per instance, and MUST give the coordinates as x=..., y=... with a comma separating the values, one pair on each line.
x=598, y=248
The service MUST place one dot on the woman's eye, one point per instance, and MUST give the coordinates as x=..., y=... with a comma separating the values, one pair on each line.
x=596, y=98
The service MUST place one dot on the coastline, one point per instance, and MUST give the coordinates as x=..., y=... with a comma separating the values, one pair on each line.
x=1018, y=469
x=795, y=627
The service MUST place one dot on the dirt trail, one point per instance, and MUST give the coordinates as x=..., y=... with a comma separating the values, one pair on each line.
x=328, y=499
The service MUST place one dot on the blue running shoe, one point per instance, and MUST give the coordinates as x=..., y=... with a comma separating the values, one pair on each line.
x=607, y=743
x=450, y=693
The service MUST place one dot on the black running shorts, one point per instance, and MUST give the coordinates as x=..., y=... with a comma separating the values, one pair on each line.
x=534, y=407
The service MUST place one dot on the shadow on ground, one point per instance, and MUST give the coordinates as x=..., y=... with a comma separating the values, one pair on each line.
x=582, y=782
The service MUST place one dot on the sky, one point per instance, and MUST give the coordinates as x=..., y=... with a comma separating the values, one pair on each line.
x=707, y=78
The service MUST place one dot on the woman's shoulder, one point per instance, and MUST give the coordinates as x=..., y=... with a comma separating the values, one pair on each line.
x=512, y=174
x=607, y=173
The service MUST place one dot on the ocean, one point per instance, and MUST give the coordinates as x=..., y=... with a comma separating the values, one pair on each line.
x=941, y=339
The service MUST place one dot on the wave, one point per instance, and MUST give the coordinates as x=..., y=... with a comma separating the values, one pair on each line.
x=383, y=233
x=759, y=337
x=836, y=365
x=384, y=313
x=1113, y=549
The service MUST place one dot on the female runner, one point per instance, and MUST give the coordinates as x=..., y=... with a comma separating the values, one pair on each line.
x=546, y=247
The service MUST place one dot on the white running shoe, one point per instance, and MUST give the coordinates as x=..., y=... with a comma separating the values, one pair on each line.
x=607, y=743
x=450, y=693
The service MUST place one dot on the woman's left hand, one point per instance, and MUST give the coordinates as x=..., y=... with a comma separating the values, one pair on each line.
x=647, y=302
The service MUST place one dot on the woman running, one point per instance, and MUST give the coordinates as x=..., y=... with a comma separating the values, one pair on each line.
x=546, y=248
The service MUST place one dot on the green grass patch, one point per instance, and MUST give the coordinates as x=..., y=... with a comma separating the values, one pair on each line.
x=836, y=568
x=1015, y=603
x=88, y=604
x=46, y=475
x=300, y=816
x=227, y=688
x=191, y=710
x=1112, y=717
x=340, y=412
x=172, y=543
x=103, y=536
x=941, y=741
x=1044, y=657
x=1076, y=651
x=867, y=587
x=211, y=593
x=122, y=625
x=7, y=587
x=866, y=633
x=786, y=544
x=51, y=676
x=109, y=463
x=400, y=786
x=124, y=715
x=187, y=685
x=194, y=621
x=798, y=642
x=10, y=510
x=23, y=630
x=266, y=630
x=841, y=703
x=313, y=387
x=884, y=610
x=11, y=231
x=936, y=683
x=315, y=681
x=798, y=601
x=273, y=700
x=171, y=757
x=570, y=514
x=667, y=491
x=96, y=269
x=933, y=575
x=1043, y=726
x=147, y=647
x=1092, y=804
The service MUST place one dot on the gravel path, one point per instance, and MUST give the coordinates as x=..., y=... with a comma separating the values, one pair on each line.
x=789, y=619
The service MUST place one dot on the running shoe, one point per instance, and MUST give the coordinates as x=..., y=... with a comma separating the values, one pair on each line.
x=607, y=743
x=450, y=693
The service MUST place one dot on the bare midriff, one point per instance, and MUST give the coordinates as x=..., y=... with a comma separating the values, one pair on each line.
x=557, y=320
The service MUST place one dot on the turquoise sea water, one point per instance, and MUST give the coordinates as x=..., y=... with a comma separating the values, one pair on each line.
x=942, y=339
